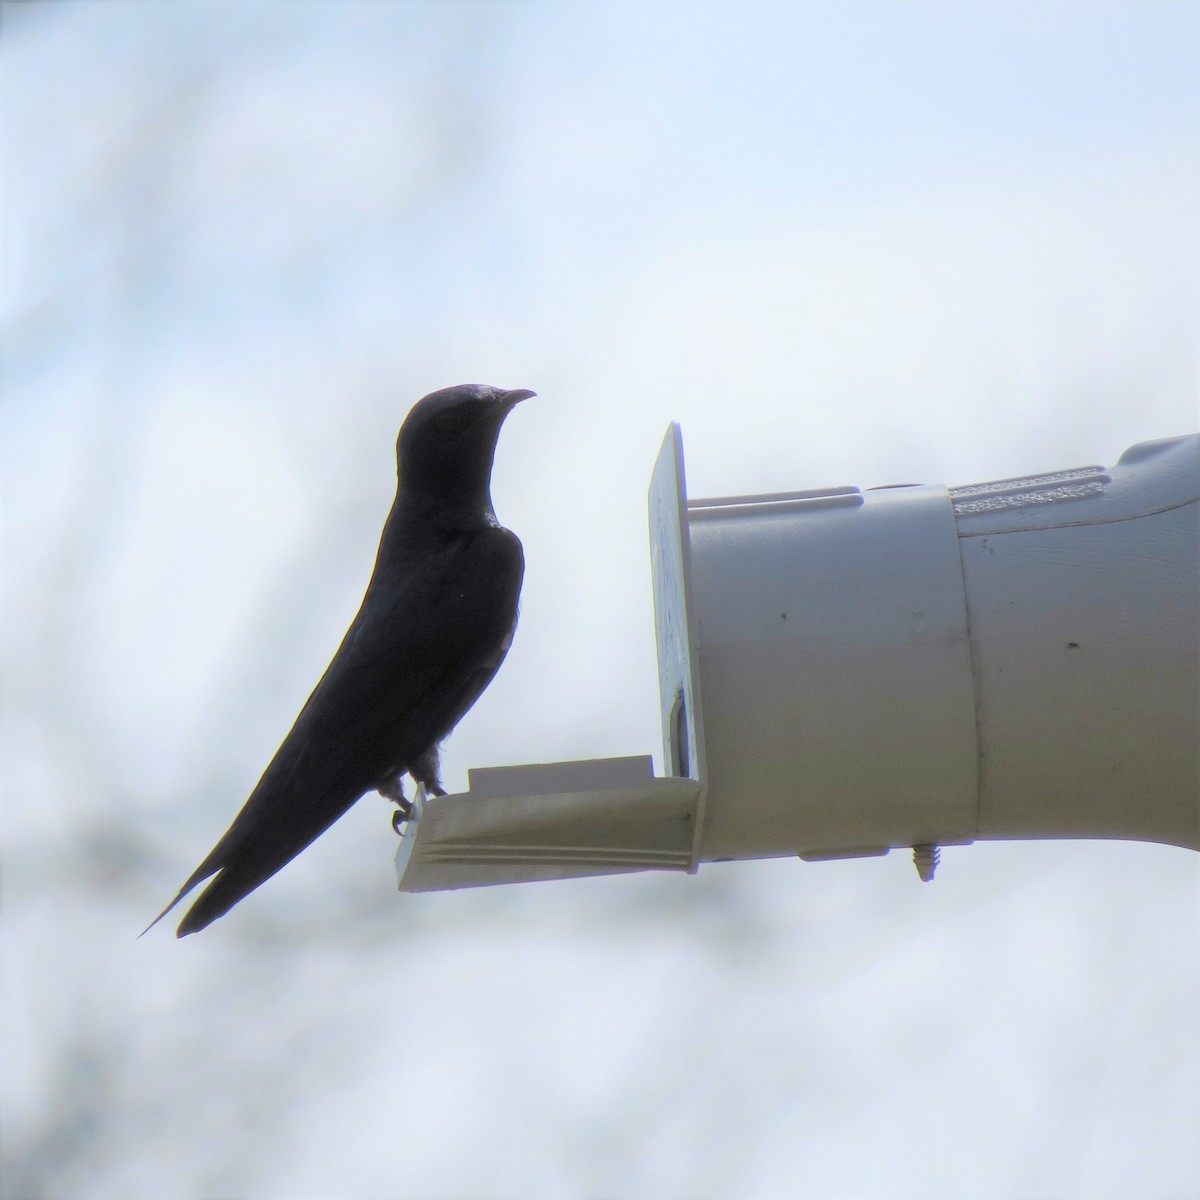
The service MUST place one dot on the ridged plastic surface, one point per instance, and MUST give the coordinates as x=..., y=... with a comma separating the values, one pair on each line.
x=546, y=821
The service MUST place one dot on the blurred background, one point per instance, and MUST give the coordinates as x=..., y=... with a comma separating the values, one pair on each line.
x=863, y=243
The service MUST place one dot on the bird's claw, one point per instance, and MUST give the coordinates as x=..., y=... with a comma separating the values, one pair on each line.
x=404, y=808
x=393, y=790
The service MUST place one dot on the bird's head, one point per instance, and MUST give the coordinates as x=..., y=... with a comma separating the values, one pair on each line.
x=446, y=444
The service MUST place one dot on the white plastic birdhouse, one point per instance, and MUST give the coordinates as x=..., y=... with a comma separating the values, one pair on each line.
x=844, y=671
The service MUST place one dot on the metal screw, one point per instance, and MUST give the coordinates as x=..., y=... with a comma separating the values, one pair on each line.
x=925, y=859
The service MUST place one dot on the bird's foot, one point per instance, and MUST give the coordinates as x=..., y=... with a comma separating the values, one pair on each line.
x=393, y=790
x=405, y=808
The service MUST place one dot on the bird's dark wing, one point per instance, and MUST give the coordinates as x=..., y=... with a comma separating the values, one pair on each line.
x=425, y=643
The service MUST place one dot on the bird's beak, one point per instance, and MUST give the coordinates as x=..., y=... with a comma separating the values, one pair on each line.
x=513, y=398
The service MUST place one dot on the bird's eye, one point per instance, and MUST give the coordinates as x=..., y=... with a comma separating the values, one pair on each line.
x=453, y=421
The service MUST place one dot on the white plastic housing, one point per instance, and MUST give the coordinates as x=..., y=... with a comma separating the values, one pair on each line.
x=1083, y=590
x=845, y=671
x=916, y=665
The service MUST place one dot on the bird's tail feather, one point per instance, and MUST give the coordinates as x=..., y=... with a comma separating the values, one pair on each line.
x=198, y=876
x=236, y=880
x=222, y=853
x=241, y=862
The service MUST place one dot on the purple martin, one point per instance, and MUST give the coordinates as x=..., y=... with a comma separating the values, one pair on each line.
x=434, y=626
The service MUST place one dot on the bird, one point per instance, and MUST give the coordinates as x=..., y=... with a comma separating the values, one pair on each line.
x=434, y=626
